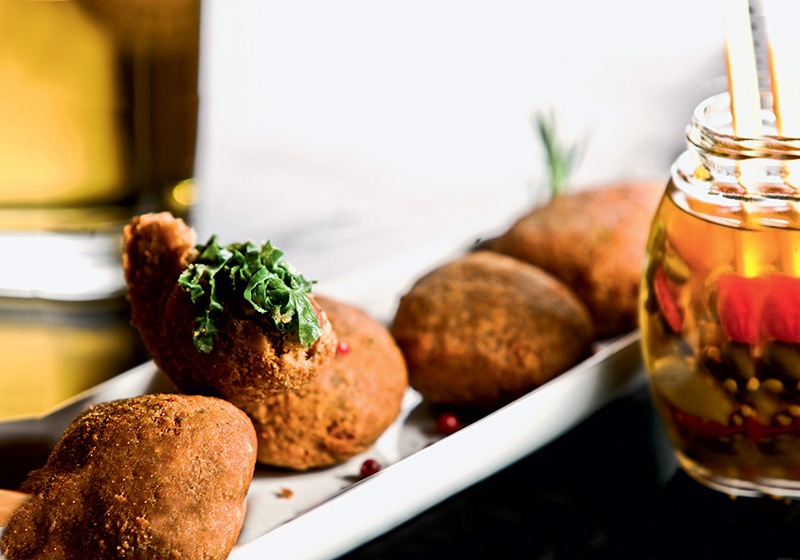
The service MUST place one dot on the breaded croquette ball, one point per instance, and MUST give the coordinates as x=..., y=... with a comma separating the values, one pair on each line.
x=342, y=412
x=155, y=476
x=594, y=241
x=221, y=321
x=484, y=329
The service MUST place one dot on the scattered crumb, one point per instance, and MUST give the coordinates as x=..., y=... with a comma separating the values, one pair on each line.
x=285, y=493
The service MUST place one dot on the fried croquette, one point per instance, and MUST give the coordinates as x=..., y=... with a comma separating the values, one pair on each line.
x=155, y=476
x=594, y=241
x=250, y=357
x=484, y=329
x=342, y=412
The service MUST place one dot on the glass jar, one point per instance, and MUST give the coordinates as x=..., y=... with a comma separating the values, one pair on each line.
x=720, y=305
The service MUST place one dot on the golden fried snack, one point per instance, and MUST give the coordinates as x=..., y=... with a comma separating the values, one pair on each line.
x=484, y=329
x=342, y=412
x=206, y=337
x=594, y=241
x=156, y=476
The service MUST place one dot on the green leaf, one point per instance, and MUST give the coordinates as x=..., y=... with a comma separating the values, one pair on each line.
x=561, y=159
x=246, y=272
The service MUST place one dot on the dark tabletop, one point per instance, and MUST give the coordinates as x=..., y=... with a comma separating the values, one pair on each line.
x=610, y=488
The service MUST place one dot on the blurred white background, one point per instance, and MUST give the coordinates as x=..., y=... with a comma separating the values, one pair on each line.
x=357, y=130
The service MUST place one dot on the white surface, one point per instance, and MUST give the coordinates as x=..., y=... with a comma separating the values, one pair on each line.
x=87, y=264
x=346, y=131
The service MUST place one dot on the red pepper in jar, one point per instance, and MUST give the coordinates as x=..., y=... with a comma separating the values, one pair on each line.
x=704, y=428
x=740, y=303
x=781, y=316
x=757, y=431
x=754, y=429
x=666, y=292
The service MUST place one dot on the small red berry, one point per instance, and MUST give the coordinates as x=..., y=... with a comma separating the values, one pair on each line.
x=369, y=467
x=447, y=423
x=343, y=348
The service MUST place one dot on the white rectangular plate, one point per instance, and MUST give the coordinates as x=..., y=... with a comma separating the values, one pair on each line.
x=330, y=512
x=325, y=513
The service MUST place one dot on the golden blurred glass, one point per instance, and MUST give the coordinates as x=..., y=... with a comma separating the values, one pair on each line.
x=98, y=122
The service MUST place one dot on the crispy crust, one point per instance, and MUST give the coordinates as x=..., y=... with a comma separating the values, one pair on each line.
x=594, y=241
x=484, y=329
x=156, y=476
x=248, y=361
x=346, y=408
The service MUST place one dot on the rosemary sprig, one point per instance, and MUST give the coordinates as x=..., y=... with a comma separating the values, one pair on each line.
x=561, y=159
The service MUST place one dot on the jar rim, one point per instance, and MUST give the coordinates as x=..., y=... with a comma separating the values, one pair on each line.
x=711, y=130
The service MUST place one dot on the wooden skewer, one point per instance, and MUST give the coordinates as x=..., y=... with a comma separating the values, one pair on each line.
x=745, y=97
x=783, y=55
x=783, y=49
x=740, y=59
x=9, y=500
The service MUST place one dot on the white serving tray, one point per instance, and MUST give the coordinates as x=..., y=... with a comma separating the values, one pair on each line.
x=329, y=511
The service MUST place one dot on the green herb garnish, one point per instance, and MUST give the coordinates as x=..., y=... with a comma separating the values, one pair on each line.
x=561, y=160
x=255, y=274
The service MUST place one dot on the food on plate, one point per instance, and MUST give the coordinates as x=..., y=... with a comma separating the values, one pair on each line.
x=481, y=330
x=594, y=241
x=234, y=321
x=344, y=410
x=155, y=476
x=237, y=322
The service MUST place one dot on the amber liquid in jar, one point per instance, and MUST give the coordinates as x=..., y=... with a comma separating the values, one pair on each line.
x=720, y=317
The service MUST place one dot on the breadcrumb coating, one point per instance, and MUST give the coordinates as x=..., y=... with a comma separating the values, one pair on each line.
x=249, y=360
x=342, y=412
x=594, y=241
x=484, y=329
x=155, y=476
